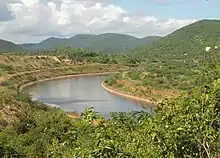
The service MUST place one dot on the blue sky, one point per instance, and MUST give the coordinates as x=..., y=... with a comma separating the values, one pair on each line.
x=180, y=9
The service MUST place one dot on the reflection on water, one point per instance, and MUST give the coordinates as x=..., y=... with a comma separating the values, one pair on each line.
x=75, y=94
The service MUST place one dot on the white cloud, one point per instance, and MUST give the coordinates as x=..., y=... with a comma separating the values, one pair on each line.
x=30, y=3
x=35, y=20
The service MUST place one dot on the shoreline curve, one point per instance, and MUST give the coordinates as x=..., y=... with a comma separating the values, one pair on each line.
x=128, y=96
x=63, y=77
x=112, y=91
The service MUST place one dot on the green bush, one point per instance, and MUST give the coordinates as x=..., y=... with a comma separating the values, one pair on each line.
x=111, y=81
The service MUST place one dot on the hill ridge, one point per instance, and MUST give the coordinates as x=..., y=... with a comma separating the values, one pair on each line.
x=107, y=42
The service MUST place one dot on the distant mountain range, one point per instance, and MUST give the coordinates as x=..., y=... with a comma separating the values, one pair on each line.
x=6, y=46
x=190, y=39
x=108, y=42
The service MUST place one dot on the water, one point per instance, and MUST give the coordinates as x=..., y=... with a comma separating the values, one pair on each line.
x=76, y=94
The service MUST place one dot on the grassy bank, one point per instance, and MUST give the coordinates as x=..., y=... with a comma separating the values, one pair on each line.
x=134, y=88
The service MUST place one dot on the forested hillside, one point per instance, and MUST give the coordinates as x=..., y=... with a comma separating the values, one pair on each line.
x=191, y=39
x=175, y=61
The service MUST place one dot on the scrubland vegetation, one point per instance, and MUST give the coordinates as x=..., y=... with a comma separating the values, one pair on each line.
x=186, y=124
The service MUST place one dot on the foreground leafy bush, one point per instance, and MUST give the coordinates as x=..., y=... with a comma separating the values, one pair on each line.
x=190, y=126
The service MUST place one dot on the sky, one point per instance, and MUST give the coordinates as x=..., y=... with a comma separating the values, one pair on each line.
x=180, y=9
x=27, y=21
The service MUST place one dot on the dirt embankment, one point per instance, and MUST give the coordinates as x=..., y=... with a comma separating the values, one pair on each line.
x=128, y=96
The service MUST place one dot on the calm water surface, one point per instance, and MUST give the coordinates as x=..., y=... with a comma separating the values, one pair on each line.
x=75, y=94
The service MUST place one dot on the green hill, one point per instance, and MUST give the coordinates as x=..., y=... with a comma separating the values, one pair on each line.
x=191, y=39
x=6, y=46
x=178, y=59
x=108, y=42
